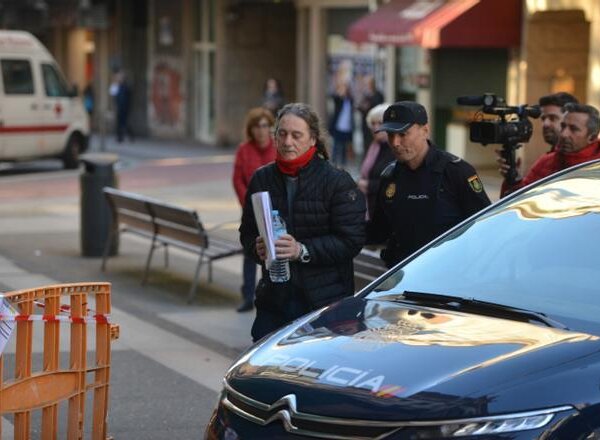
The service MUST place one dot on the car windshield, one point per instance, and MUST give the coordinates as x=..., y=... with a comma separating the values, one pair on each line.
x=538, y=251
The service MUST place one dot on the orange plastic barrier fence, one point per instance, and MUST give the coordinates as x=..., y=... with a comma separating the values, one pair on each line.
x=60, y=384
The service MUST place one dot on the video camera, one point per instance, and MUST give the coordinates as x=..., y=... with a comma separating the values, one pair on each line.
x=511, y=127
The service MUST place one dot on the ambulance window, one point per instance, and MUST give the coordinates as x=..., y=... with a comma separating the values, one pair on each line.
x=53, y=81
x=17, y=77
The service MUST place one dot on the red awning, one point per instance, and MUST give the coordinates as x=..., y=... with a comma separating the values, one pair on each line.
x=441, y=23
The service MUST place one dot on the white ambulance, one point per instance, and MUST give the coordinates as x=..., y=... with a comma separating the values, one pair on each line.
x=40, y=114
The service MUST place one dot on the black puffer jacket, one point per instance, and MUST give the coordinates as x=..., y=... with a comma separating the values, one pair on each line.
x=328, y=217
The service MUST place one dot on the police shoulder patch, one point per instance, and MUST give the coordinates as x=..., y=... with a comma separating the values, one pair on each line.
x=475, y=183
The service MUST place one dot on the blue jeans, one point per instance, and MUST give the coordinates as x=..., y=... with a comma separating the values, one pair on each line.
x=249, y=280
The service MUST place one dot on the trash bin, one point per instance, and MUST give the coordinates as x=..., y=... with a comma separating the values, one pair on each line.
x=97, y=173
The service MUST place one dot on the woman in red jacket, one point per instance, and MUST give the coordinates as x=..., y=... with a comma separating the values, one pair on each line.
x=256, y=151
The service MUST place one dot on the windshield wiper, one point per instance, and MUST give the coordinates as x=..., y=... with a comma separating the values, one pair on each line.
x=484, y=307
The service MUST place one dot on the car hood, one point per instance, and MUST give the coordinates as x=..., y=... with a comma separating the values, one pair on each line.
x=374, y=359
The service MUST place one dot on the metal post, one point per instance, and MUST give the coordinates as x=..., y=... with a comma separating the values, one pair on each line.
x=103, y=81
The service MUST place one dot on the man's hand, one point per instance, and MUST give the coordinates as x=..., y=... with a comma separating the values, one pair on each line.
x=261, y=248
x=503, y=166
x=286, y=248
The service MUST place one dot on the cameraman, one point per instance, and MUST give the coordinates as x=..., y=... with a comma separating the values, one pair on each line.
x=552, y=110
x=577, y=143
x=424, y=192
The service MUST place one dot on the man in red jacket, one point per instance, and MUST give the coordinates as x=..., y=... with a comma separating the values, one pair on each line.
x=256, y=151
x=577, y=143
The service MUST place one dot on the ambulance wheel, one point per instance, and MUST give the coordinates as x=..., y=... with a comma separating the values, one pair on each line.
x=71, y=154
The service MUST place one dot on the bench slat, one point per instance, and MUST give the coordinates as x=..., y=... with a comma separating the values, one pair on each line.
x=180, y=216
x=183, y=235
x=135, y=221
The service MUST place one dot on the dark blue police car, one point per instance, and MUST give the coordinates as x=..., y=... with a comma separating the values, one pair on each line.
x=491, y=331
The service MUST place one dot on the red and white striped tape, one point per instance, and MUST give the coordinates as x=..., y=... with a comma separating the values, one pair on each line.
x=91, y=319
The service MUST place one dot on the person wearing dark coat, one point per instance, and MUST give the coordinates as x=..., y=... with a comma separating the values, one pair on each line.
x=370, y=98
x=325, y=216
x=341, y=124
x=378, y=157
x=273, y=98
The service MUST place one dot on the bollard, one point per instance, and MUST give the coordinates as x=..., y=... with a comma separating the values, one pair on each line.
x=95, y=219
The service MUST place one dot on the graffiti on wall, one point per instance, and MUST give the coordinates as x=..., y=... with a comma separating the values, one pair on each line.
x=167, y=97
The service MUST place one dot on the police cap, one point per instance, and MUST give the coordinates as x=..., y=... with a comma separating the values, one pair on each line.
x=400, y=116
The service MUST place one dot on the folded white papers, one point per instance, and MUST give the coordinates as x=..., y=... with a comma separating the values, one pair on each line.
x=261, y=204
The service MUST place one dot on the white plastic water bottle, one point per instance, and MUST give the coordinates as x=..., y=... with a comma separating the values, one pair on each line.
x=280, y=269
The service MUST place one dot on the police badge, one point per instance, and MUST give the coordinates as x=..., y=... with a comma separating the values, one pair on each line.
x=390, y=190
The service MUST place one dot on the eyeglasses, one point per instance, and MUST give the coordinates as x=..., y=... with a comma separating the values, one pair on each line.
x=263, y=125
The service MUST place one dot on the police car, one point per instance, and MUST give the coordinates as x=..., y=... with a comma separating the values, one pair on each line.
x=492, y=331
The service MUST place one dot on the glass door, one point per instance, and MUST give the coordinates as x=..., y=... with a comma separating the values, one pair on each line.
x=204, y=71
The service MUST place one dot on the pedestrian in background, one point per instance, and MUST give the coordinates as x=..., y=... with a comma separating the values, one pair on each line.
x=378, y=157
x=121, y=93
x=324, y=212
x=273, y=96
x=424, y=192
x=88, y=99
x=370, y=98
x=257, y=150
x=341, y=125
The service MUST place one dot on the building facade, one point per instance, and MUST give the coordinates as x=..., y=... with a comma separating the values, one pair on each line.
x=197, y=66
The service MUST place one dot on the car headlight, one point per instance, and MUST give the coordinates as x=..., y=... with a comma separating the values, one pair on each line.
x=490, y=425
x=497, y=426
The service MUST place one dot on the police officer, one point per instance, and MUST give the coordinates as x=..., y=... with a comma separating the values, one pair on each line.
x=424, y=192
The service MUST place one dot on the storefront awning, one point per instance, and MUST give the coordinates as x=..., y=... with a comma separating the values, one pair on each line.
x=441, y=23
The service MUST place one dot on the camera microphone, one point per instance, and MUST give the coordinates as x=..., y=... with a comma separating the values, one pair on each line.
x=486, y=100
x=470, y=100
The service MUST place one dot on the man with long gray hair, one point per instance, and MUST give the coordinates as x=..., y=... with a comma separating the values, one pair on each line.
x=325, y=217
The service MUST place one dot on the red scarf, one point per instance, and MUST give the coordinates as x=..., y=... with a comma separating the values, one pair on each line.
x=292, y=167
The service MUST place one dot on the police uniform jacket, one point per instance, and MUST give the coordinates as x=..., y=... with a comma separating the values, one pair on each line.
x=328, y=216
x=415, y=206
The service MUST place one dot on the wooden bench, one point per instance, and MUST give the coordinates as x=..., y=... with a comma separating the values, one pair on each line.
x=367, y=267
x=165, y=225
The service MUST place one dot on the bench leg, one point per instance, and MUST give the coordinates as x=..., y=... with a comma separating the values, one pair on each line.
x=148, y=260
x=166, y=255
x=109, y=240
x=192, y=292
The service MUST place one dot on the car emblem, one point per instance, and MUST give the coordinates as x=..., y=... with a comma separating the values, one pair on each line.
x=286, y=408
